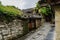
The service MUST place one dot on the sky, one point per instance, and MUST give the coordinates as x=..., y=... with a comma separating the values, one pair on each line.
x=21, y=4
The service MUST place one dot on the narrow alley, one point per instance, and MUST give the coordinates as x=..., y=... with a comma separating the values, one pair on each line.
x=44, y=33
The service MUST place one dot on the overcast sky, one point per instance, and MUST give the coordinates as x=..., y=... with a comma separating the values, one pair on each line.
x=21, y=4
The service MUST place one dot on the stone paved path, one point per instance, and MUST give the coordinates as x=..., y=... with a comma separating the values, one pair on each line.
x=51, y=34
x=41, y=34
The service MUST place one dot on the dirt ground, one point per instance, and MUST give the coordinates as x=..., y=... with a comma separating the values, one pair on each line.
x=57, y=22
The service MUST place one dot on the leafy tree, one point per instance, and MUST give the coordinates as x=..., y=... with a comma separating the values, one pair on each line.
x=42, y=9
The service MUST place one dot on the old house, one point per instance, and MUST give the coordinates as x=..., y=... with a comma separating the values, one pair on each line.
x=34, y=19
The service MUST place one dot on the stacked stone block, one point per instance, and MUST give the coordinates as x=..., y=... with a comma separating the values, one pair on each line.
x=11, y=30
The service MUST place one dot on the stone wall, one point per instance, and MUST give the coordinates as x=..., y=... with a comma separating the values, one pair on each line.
x=11, y=29
x=57, y=22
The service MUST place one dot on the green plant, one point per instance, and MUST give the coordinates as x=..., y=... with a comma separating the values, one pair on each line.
x=8, y=13
x=43, y=9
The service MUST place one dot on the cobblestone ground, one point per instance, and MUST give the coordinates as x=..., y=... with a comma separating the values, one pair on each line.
x=57, y=20
x=40, y=34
